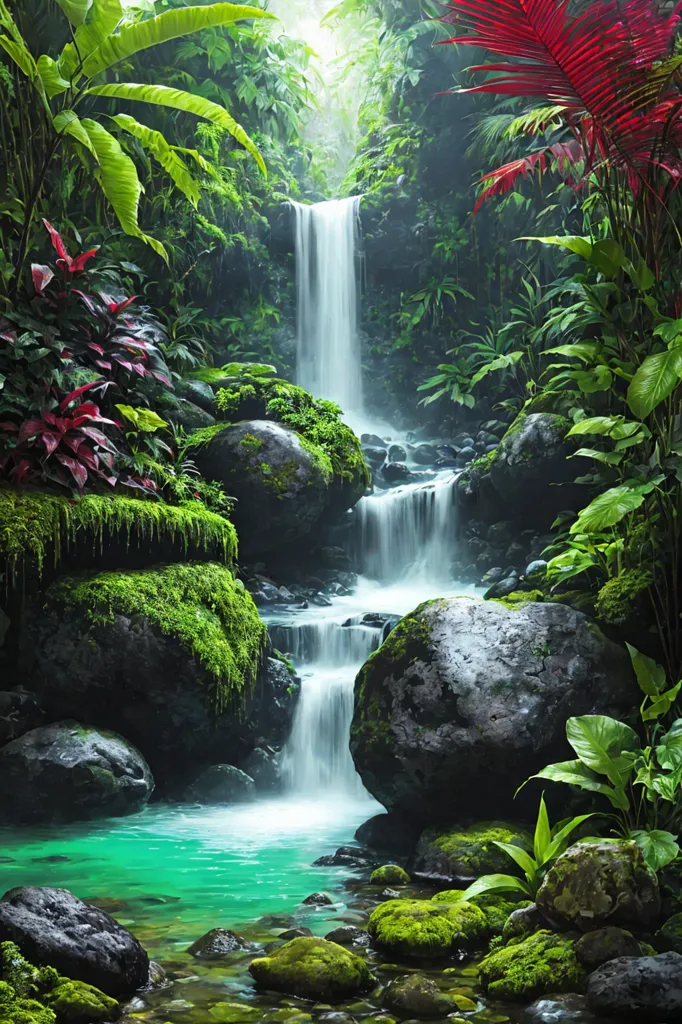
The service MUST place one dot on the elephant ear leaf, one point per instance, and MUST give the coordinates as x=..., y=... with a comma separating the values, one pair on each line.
x=655, y=380
x=165, y=154
x=600, y=742
x=119, y=182
x=658, y=847
x=575, y=773
x=75, y=10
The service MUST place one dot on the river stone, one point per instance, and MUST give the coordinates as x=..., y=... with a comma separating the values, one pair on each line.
x=52, y=927
x=280, y=483
x=669, y=937
x=425, y=928
x=74, y=1002
x=596, y=884
x=598, y=947
x=532, y=472
x=348, y=935
x=644, y=990
x=535, y=966
x=222, y=784
x=468, y=698
x=71, y=772
x=217, y=943
x=415, y=995
x=313, y=968
x=463, y=854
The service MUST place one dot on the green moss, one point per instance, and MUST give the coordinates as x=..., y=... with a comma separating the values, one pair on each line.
x=15, y=1010
x=32, y=522
x=20, y=982
x=496, y=908
x=544, y=962
x=669, y=936
x=201, y=604
x=471, y=851
x=251, y=443
x=519, y=598
x=316, y=420
x=390, y=874
x=313, y=968
x=424, y=928
x=484, y=463
x=617, y=599
x=74, y=1002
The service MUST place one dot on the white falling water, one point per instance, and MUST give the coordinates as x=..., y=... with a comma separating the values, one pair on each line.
x=328, y=356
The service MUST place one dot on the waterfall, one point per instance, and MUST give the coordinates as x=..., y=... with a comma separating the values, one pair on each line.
x=328, y=354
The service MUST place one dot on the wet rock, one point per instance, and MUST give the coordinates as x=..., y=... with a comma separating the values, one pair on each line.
x=388, y=833
x=52, y=927
x=598, y=947
x=71, y=772
x=348, y=935
x=389, y=874
x=198, y=392
x=463, y=441
x=596, y=884
x=189, y=416
x=222, y=784
x=345, y=856
x=373, y=440
x=218, y=943
x=157, y=977
x=425, y=928
x=264, y=768
x=458, y=707
x=415, y=995
x=542, y=963
x=523, y=921
x=503, y=588
x=466, y=455
x=669, y=937
x=295, y=933
x=389, y=894
x=19, y=712
x=375, y=456
x=537, y=568
x=312, y=968
x=462, y=854
x=641, y=990
x=318, y=899
x=568, y=1009
x=396, y=453
x=396, y=473
x=425, y=455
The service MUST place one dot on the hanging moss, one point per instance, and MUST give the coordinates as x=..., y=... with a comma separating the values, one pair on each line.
x=31, y=522
x=199, y=603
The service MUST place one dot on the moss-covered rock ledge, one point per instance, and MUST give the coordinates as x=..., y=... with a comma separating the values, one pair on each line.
x=165, y=656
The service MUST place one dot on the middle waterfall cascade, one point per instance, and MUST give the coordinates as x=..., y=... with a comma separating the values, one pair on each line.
x=328, y=357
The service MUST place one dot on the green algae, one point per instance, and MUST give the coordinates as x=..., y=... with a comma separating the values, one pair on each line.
x=543, y=962
x=424, y=928
x=201, y=604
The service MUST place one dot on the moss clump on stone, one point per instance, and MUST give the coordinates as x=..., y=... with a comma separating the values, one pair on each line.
x=617, y=599
x=199, y=603
x=390, y=874
x=471, y=852
x=495, y=908
x=669, y=936
x=316, y=420
x=32, y=522
x=520, y=598
x=313, y=968
x=74, y=1002
x=424, y=928
x=544, y=962
x=18, y=1010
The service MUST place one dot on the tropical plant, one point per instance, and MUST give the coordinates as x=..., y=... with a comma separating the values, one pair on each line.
x=548, y=844
x=71, y=84
x=643, y=783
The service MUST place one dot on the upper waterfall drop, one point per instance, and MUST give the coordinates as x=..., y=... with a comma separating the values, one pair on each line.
x=328, y=360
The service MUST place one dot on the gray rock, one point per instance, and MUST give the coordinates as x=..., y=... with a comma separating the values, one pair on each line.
x=295, y=933
x=264, y=768
x=375, y=456
x=318, y=899
x=425, y=455
x=396, y=453
x=222, y=784
x=53, y=927
x=396, y=473
x=19, y=712
x=348, y=935
x=190, y=416
x=643, y=990
x=603, y=944
x=373, y=440
x=280, y=486
x=560, y=1009
x=415, y=995
x=467, y=698
x=218, y=943
x=198, y=392
x=522, y=922
x=536, y=568
x=502, y=588
x=71, y=772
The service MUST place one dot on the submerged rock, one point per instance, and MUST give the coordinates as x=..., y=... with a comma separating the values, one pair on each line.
x=414, y=995
x=218, y=943
x=71, y=772
x=544, y=962
x=222, y=784
x=52, y=927
x=597, y=884
x=641, y=990
x=468, y=698
x=318, y=899
x=463, y=854
x=424, y=928
x=313, y=968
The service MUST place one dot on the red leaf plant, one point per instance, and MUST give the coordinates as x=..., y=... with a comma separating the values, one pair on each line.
x=609, y=65
x=64, y=262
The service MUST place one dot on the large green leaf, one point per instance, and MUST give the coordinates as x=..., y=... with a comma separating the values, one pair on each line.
x=594, y=425
x=118, y=179
x=662, y=705
x=178, y=99
x=67, y=122
x=102, y=19
x=561, y=839
x=520, y=857
x=170, y=25
x=599, y=742
x=608, y=508
x=574, y=243
x=669, y=750
x=496, y=883
x=51, y=78
x=655, y=380
x=543, y=832
x=575, y=773
x=659, y=848
x=75, y=10
x=21, y=56
x=650, y=675
x=159, y=148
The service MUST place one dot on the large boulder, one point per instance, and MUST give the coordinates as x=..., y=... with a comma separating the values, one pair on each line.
x=71, y=772
x=465, y=853
x=468, y=698
x=531, y=470
x=52, y=927
x=603, y=883
x=280, y=481
x=641, y=990
x=222, y=784
x=542, y=963
x=183, y=650
x=313, y=968
x=426, y=928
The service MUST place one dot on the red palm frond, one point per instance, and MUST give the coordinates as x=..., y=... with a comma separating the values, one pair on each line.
x=504, y=178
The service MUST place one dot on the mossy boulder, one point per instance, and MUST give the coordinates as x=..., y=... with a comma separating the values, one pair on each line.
x=466, y=699
x=532, y=471
x=496, y=908
x=389, y=874
x=71, y=772
x=313, y=968
x=425, y=928
x=603, y=944
x=466, y=852
x=597, y=884
x=182, y=647
x=416, y=996
x=18, y=1010
x=74, y=1002
x=280, y=481
x=669, y=936
x=544, y=962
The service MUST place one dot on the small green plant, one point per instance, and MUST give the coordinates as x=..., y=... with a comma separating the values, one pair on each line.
x=643, y=783
x=548, y=844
